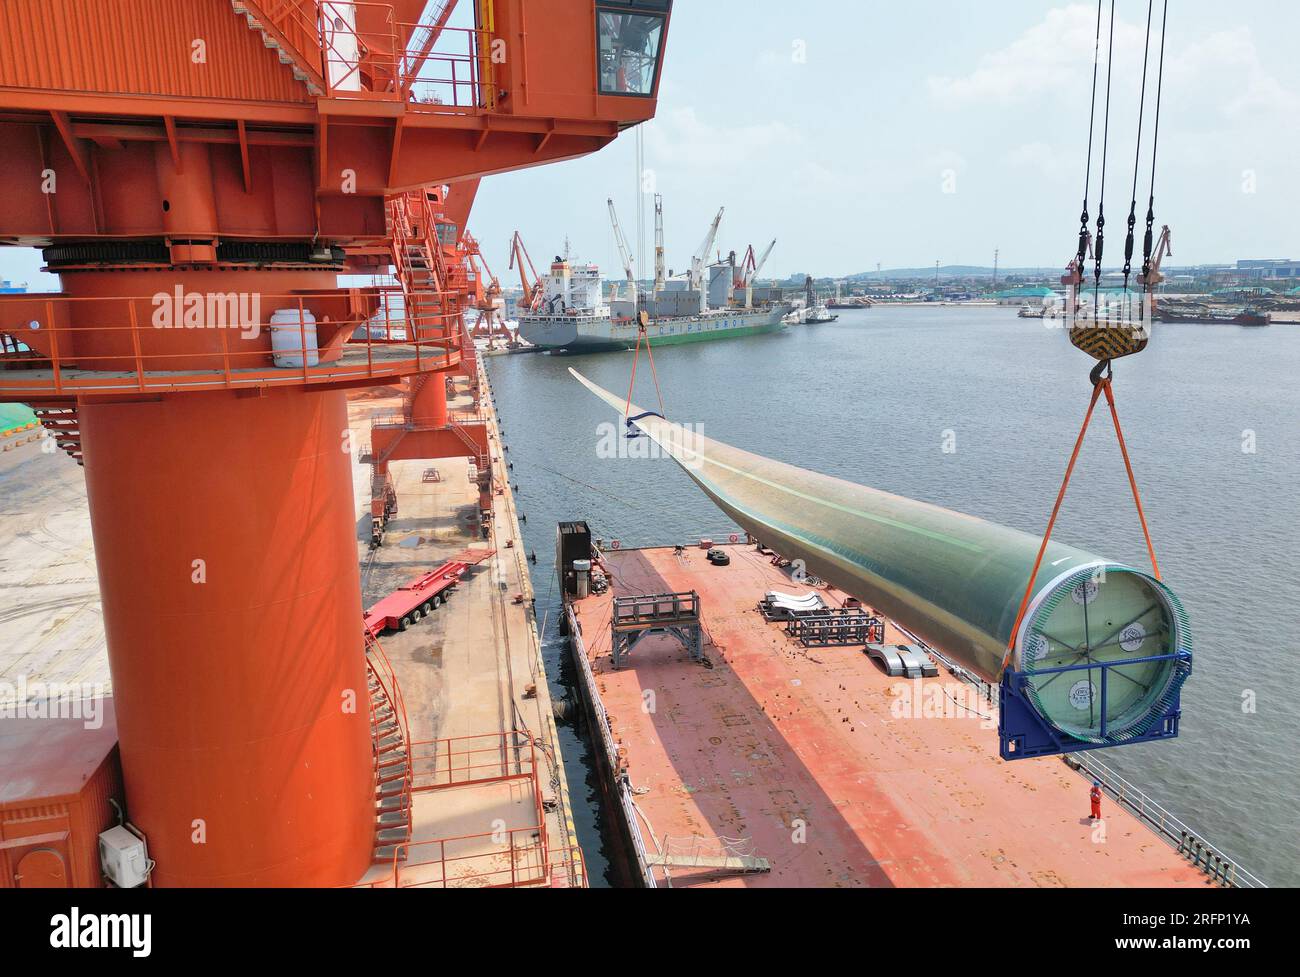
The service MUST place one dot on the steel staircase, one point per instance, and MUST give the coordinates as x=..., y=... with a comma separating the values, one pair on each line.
x=286, y=30
x=392, y=757
x=60, y=420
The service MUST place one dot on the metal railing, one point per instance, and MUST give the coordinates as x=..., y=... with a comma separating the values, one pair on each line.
x=485, y=758
x=450, y=78
x=638, y=610
x=1211, y=860
x=474, y=861
x=381, y=669
x=506, y=858
x=428, y=66
x=201, y=340
x=386, y=677
x=1168, y=826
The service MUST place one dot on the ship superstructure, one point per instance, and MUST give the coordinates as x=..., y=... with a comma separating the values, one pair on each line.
x=712, y=300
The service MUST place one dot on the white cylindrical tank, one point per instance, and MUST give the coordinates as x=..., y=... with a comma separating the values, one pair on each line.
x=582, y=570
x=342, y=52
x=291, y=337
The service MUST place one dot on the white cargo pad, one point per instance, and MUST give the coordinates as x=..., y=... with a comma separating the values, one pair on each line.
x=810, y=601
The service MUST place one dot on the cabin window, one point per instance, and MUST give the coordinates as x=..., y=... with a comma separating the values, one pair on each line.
x=629, y=39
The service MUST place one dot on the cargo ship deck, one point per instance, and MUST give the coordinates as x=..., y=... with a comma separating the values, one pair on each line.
x=817, y=762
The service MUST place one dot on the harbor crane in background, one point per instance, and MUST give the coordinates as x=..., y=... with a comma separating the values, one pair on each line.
x=1151, y=278
x=659, y=243
x=701, y=256
x=531, y=300
x=749, y=271
x=624, y=252
x=485, y=295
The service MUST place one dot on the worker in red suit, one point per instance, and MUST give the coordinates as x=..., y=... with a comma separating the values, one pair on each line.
x=1094, y=795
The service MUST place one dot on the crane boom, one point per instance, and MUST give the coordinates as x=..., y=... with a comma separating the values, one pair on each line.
x=751, y=269
x=758, y=265
x=1163, y=247
x=624, y=251
x=701, y=256
x=659, y=243
x=702, y=252
x=519, y=256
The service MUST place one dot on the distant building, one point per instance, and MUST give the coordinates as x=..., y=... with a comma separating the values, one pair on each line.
x=1268, y=268
x=1032, y=295
x=1244, y=292
x=9, y=288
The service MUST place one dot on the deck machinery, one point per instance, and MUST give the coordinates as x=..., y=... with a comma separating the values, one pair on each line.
x=198, y=173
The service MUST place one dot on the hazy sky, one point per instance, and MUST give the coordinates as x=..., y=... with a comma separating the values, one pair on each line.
x=842, y=156
x=904, y=132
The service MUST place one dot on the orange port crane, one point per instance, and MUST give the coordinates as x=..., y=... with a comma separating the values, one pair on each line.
x=198, y=173
x=529, y=280
x=487, y=300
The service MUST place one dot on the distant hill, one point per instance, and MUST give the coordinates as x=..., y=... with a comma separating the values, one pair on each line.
x=948, y=271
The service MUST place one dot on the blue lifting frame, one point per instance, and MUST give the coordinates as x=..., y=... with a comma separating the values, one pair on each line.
x=1023, y=732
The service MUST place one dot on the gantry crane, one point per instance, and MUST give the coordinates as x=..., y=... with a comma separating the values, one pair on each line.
x=198, y=174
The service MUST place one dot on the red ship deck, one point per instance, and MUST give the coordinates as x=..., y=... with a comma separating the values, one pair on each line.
x=774, y=734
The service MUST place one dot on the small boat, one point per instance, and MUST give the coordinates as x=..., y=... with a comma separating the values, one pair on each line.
x=819, y=313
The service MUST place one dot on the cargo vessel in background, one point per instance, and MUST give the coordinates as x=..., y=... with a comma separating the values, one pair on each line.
x=1201, y=313
x=718, y=300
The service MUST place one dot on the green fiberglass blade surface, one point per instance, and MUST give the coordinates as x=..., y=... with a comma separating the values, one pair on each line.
x=954, y=580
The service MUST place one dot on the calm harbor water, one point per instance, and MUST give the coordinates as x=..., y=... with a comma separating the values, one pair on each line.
x=1212, y=419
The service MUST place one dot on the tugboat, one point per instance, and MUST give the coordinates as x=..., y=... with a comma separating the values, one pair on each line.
x=819, y=313
x=815, y=311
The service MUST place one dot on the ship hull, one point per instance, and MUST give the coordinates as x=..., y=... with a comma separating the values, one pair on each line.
x=574, y=334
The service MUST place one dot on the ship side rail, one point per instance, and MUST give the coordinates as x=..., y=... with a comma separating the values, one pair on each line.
x=600, y=723
x=723, y=536
x=1218, y=866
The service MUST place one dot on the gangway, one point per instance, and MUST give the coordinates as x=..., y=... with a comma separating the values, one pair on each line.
x=731, y=856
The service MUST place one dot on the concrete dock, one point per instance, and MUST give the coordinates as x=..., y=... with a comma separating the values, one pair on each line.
x=471, y=675
x=51, y=624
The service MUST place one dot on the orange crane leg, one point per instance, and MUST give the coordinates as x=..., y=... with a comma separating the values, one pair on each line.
x=225, y=538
